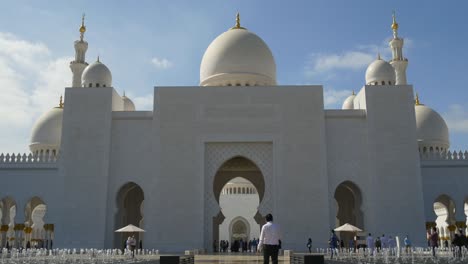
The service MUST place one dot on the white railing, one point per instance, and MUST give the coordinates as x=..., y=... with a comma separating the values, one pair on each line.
x=445, y=155
x=47, y=157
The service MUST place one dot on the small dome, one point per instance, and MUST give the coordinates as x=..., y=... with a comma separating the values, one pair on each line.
x=349, y=102
x=380, y=72
x=238, y=57
x=432, y=131
x=96, y=75
x=47, y=131
x=128, y=104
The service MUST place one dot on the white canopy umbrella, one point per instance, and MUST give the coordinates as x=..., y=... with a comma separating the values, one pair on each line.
x=130, y=229
x=347, y=228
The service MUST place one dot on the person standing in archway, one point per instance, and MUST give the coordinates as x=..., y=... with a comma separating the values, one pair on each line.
x=434, y=239
x=269, y=240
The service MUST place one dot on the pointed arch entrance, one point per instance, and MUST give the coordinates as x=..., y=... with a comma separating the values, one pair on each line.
x=237, y=167
x=348, y=197
x=129, y=200
x=216, y=156
x=239, y=228
x=239, y=201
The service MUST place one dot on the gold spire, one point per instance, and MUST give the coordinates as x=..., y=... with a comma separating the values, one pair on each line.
x=238, y=25
x=378, y=56
x=61, y=104
x=394, y=26
x=354, y=93
x=83, y=27
x=98, y=58
x=416, y=100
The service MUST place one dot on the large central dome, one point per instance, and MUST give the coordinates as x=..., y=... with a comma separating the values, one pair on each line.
x=238, y=57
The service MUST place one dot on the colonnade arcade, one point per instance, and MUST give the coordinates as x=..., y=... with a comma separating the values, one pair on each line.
x=446, y=221
x=33, y=232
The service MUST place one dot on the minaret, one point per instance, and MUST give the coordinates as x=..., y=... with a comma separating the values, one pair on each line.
x=398, y=62
x=79, y=64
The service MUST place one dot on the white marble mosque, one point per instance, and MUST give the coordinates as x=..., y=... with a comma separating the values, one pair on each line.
x=209, y=161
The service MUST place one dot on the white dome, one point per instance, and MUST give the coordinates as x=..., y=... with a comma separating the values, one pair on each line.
x=380, y=72
x=349, y=102
x=47, y=131
x=128, y=104
x=96, y=75
x=432, y=131
x=238, y=57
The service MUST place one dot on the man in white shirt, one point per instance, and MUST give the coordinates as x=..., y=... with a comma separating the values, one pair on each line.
x=269, y=240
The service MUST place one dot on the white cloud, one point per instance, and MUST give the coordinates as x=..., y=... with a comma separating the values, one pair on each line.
x=352, y=60
x=31, y=81
x=457, y=118
x=335, y=98
x=328, y=64
x=161, y=64
x=143, y=103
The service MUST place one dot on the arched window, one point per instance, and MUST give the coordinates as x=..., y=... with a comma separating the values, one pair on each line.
x=97, y=84
x=90, y=85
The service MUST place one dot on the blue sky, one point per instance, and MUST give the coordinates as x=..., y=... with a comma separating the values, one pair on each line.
x=148, y=43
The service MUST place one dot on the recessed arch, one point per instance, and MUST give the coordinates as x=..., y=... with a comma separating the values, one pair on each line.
x=238, y=167
x=239, y=228
x=129, y=203
x=348, y=197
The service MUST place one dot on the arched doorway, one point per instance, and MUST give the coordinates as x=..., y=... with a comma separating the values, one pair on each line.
x=130, y=199
x=8, y=221
x=238, y=179
x=348, y=199
x=35, y=211
x=239, y=228
x=239, y=201
x=444, y=208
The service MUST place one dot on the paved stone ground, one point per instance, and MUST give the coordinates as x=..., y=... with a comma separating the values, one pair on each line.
x=233, y=258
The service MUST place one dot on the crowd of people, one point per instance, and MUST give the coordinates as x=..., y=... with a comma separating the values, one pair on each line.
x=375, y=245
x=238, y=245
x=459, y=241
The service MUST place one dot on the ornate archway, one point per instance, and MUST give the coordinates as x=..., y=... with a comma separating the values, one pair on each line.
x=348, y=197
x=225, y=161
x=129, y=201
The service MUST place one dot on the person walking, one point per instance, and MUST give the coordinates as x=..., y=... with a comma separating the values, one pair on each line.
x=407, y=244
x=309, y=245
x=269, y=240
x=434, y=240
x=333, y=243
x=370, y=244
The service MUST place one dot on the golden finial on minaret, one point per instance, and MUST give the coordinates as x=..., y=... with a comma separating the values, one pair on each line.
x=238, y=25
x=61, y=102
x=394, y=25
x=83, y=27
x=416, y=100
